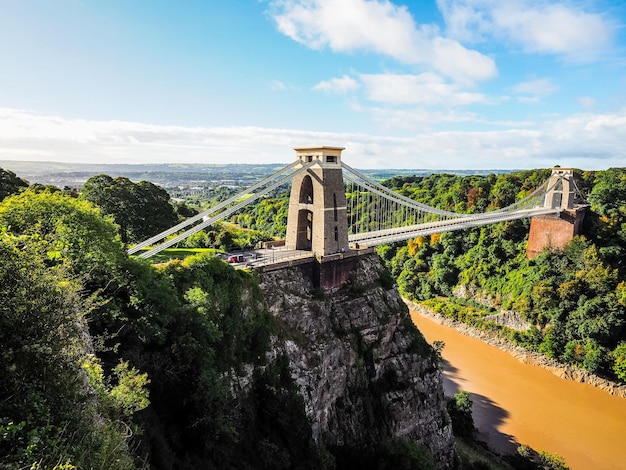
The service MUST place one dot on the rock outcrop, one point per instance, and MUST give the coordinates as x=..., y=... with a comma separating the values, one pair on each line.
x=367, y=376
x=507, y=318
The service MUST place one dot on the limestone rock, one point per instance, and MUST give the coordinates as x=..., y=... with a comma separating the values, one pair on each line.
x=366, y=374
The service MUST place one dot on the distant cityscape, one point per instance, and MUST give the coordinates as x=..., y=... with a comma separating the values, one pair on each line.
x=184, y=179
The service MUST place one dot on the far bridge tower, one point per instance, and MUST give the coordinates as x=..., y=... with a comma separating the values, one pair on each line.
x=561, y=189
x=556, y=231
x=317, y=219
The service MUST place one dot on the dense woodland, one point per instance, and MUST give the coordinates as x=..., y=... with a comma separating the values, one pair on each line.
x=109, y=361
x=575, y=298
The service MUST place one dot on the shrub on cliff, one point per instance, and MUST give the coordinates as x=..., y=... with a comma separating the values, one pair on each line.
x=10, y=183
x=201, y=331
x=404, y=454
x=460, y=410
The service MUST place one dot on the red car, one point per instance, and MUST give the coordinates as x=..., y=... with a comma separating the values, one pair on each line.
x=236, y=259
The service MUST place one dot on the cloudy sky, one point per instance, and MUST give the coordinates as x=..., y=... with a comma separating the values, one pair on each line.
x=435, y=84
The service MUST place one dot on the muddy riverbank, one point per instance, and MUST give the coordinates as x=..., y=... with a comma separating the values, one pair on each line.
x=563, y=371
x=517, y=400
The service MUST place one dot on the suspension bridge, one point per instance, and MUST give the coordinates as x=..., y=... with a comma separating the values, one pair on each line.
x=334, y=208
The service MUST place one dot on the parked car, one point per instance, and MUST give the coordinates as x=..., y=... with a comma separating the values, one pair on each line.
x=236, y=259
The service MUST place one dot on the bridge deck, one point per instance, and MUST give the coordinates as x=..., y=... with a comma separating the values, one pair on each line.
x=380, y=237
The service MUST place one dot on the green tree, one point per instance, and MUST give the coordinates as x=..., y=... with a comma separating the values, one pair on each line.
x=10, y=183
x=224, y=241
x=404, y=454
x=183, y=210
x=504, y=192
x=140, y=209
x=608, y=219
x=552, y=461
x=619, y=361
x=68, y=231
x=124, y=397
x=608, y=196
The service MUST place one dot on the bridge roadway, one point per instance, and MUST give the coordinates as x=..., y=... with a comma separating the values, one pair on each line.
x=268, y=256
x=391, y=235
x=284, y=254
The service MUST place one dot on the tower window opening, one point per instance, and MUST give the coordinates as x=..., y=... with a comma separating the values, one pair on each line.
x=336, y=234
x=331, y=159
x=335, y=205
x=306, y=190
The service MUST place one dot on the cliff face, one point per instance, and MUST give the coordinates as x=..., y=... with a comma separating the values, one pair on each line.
x=365, y=373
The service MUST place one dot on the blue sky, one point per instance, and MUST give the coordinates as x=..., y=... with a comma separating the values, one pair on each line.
x=441, y=84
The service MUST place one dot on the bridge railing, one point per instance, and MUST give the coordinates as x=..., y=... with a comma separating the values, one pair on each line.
x=374, y=210
x=404, y=233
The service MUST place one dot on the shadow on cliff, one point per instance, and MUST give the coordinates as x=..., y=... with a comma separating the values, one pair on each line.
x=488, y=416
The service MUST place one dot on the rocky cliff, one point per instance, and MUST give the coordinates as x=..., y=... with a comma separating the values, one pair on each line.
x=366, y=374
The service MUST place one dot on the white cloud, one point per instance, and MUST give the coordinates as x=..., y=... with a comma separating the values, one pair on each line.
x=381, y=27
x=418, y=119
x=338, y=85
x=583, y=141
x=464, y=65
x=347, y=25
x=588, y=141
x=536, y=87
x=587, y=102
x=425, y=89
x=277, y=85
x=535, y=26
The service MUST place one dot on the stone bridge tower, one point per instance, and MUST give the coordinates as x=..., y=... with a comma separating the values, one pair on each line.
x=317, y=218
x=554, y=231
x=563, y=192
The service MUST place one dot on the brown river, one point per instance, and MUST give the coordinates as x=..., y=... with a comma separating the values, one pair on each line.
x=517, y=403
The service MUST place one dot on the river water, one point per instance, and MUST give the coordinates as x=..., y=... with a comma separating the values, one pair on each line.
x=517, y=403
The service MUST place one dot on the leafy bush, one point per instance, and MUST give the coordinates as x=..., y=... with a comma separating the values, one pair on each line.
x=460, y=410
x=404, y=454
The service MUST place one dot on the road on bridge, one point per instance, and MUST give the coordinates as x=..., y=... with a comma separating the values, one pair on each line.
x=265, y=256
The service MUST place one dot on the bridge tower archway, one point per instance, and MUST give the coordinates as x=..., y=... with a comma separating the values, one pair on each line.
x=317, y=218
x=561, y=187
